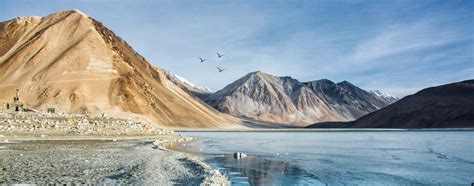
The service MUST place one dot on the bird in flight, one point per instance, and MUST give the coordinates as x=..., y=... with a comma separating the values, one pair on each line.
x=202, y=60
x=219, y=55
x=220, y=69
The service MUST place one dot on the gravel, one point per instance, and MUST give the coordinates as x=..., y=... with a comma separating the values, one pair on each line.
x=41, y=148
x=101, y=162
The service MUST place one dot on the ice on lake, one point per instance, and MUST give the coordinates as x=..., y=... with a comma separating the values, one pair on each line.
x=341, y=157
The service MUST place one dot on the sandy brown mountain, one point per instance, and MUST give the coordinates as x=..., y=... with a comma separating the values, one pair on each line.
x=71, y=61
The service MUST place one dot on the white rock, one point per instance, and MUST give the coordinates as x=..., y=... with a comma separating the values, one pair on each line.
x=239, y=155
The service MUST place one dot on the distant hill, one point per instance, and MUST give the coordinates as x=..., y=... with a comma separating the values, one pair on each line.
x=266, y=97
x=446, y=106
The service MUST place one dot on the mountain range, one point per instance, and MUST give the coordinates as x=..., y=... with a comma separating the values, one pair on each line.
x=72, y=62
x=445, y=106
x=266, y=97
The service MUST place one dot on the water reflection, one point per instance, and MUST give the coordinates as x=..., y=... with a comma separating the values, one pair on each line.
x=261, y=171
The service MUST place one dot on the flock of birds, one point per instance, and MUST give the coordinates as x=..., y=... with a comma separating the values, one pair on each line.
x=218, y=56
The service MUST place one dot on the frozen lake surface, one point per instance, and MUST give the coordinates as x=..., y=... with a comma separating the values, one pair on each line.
x=340, y=157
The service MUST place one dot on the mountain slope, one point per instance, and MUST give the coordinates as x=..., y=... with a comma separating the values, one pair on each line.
x=73, y=62
x=269, y=98
x=445, y=106
x=266, y=97
x=346, y=99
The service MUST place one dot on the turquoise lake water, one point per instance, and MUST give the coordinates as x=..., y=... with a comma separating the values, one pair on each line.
x=340, y=158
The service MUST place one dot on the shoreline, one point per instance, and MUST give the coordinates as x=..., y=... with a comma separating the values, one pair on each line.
x=321, y=130
x=43, y=148
x=152, y=151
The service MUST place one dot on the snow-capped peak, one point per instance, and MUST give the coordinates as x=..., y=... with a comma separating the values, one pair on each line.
x=174, y=77
x=384, y=95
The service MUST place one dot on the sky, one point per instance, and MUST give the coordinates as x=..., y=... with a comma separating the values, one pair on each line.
x=396, y=46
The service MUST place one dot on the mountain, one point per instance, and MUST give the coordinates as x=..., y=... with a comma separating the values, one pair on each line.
x=446, y=106
x=269, y=98
x=347, y=99
x=70, y=61
x=265, y=97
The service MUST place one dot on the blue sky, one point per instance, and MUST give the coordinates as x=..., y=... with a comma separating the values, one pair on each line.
x=395, y=46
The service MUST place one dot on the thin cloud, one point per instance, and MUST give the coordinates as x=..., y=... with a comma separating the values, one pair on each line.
x=400, y=39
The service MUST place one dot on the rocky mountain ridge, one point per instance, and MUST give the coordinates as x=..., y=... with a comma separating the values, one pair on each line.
x=262, y=96
x=445, y=106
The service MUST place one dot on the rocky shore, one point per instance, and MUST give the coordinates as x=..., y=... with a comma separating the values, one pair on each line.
x=44, y=124
x=39, y=148
x=101, y=162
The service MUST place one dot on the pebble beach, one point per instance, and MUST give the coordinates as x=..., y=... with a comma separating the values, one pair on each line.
x=38, y=148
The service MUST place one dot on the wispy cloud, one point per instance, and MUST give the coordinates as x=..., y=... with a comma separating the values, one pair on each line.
x=405, y=38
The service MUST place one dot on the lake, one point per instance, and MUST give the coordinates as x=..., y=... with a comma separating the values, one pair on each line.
x=340, y=157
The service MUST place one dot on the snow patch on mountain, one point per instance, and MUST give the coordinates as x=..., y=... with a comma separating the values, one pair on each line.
x=383, y=95
x=181, y=80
